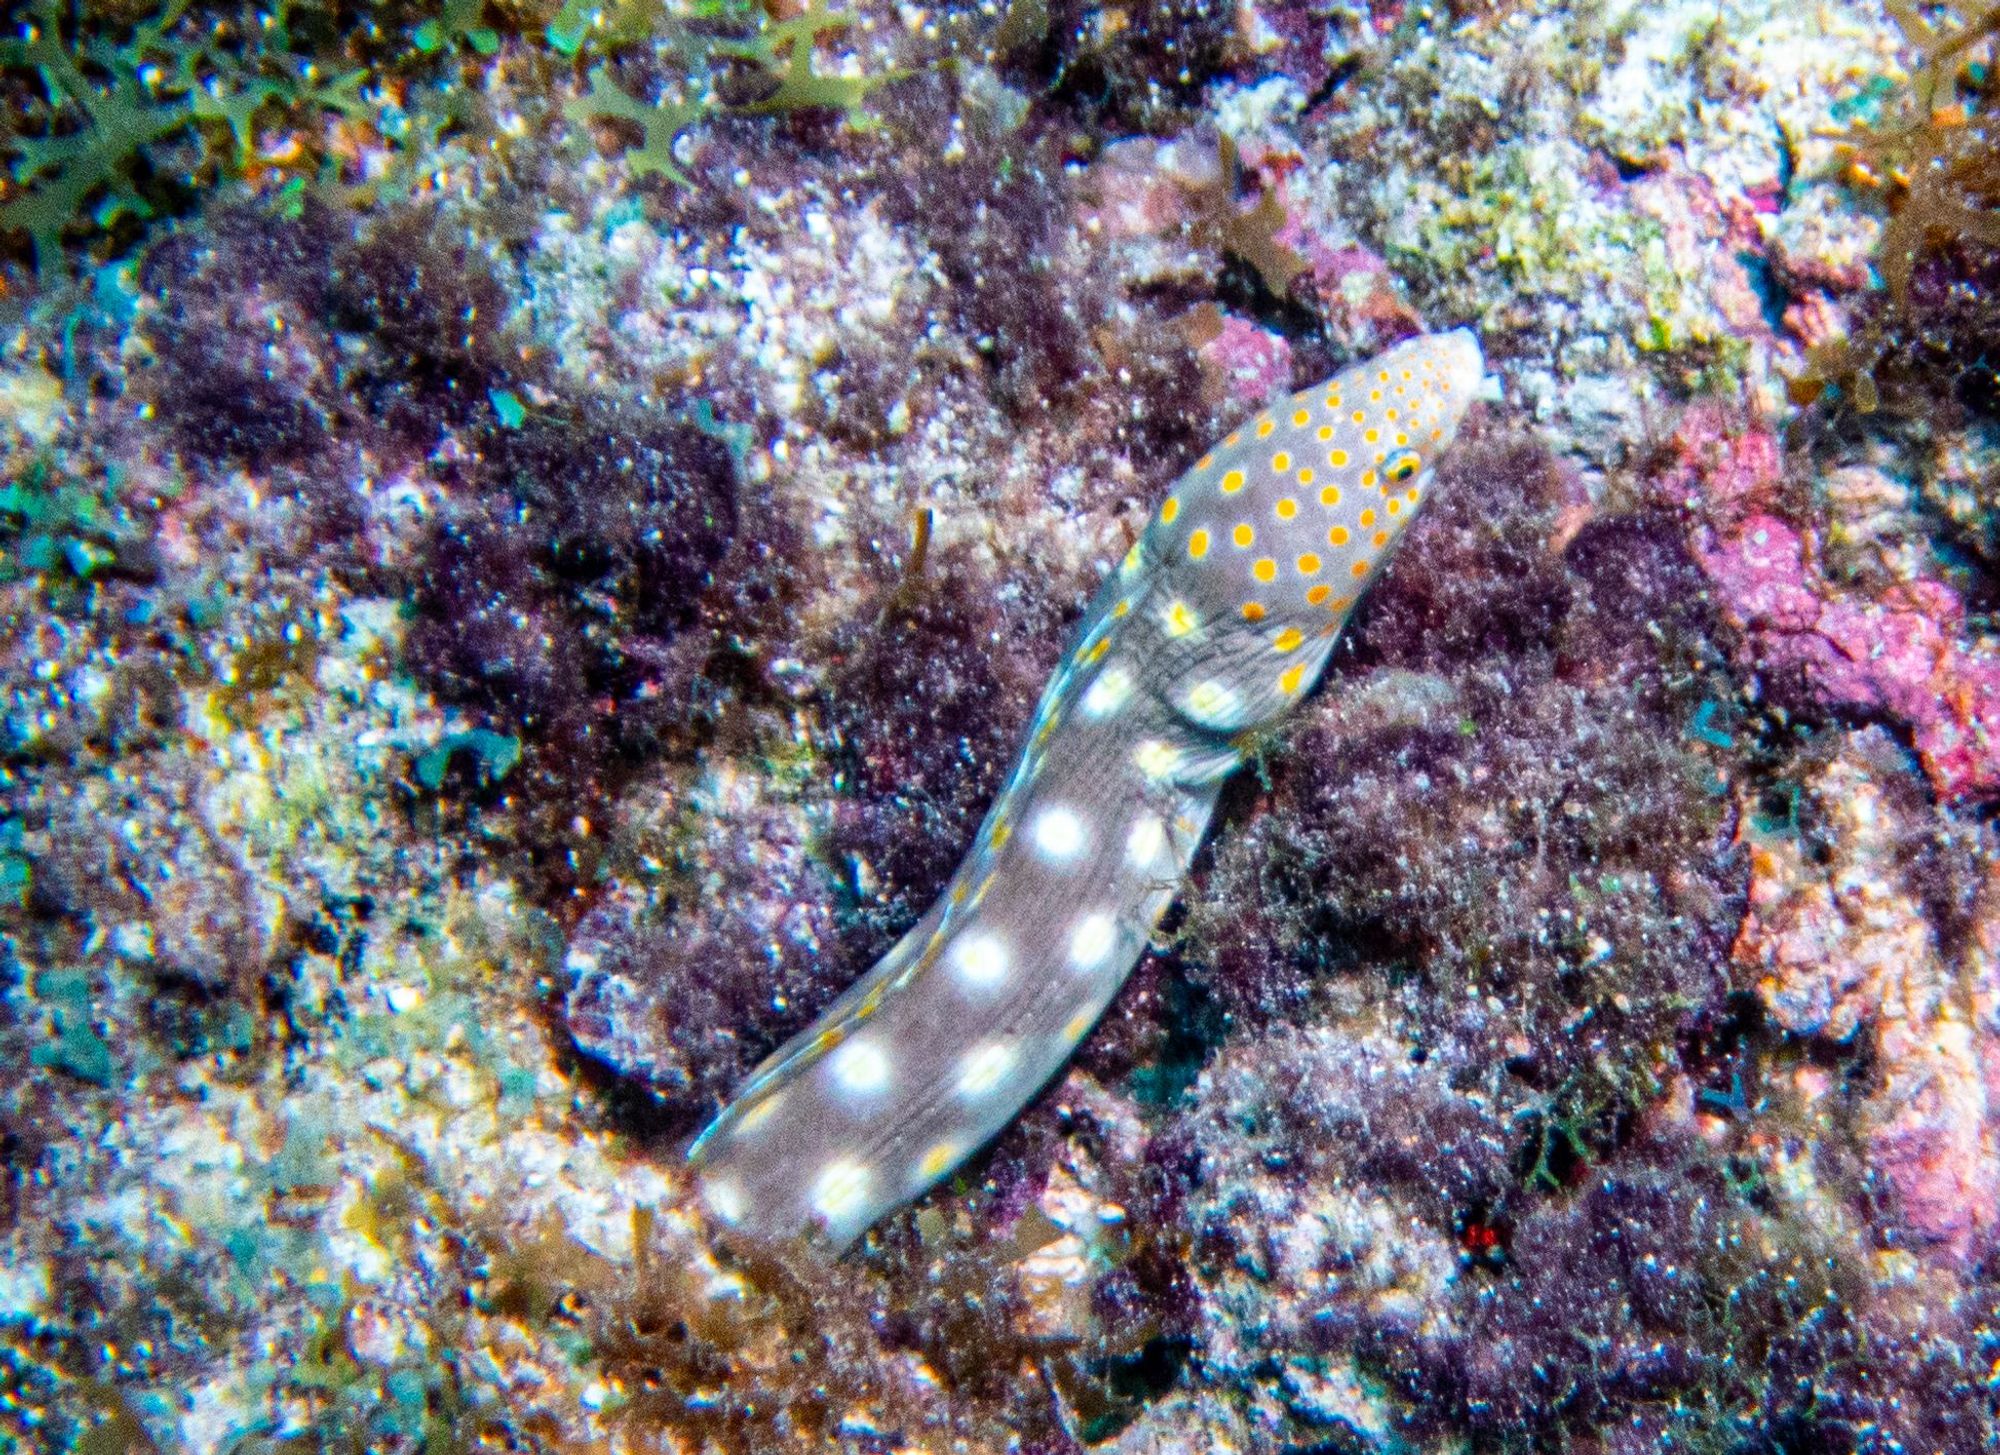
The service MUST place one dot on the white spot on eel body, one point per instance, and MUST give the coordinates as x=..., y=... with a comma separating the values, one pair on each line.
x=979, y=959
x=1209, y=702
x=1111, y=691
x=1146, y=841
x=1091, y=942
x=1156, y=759
x=984, y=1067
x=840, y=1189
x=1059, y=835
x=861, y=1068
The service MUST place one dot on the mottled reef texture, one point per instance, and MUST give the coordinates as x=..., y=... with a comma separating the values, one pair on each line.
x=498, y=637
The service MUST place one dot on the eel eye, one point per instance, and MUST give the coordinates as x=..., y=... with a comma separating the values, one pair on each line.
x=1401, y=465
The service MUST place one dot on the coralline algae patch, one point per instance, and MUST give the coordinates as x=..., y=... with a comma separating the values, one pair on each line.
x=491, y=655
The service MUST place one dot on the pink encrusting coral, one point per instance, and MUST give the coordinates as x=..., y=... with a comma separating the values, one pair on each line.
x=1902, y=654
x=1251, y=364
x=1935, y=1142
x=1355, y=286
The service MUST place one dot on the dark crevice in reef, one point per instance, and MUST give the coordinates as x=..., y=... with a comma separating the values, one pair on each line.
x=1145, y=74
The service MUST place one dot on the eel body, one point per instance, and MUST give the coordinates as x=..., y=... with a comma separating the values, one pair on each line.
x=1216, y=624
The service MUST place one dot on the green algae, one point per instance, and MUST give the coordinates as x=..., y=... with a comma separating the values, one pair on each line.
x=417, y=1403
x=786, y=49
x=61, y=531
x=75, y=1045
x=780, y=57
x=507, y=408
x=17, y=870
x=492, y=755
x=660, y=124
x=92, y=158
x=460, y=23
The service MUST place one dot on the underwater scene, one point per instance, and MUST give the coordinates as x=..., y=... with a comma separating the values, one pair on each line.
x=1148, y=727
